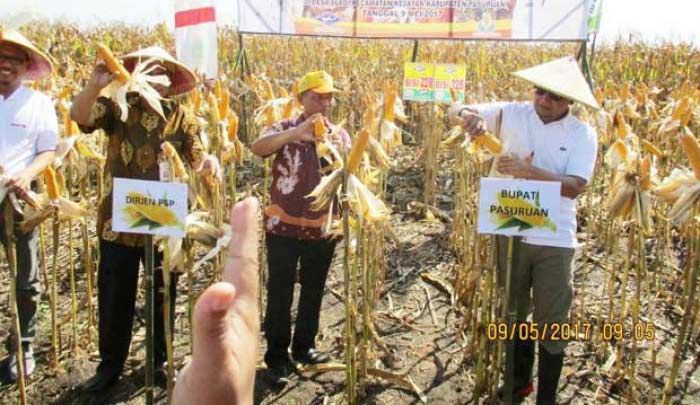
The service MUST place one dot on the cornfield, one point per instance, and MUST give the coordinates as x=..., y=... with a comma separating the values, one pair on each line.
x=414, y=287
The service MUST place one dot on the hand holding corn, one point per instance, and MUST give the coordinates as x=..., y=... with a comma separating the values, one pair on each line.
x=101, y=77
x=306, y=131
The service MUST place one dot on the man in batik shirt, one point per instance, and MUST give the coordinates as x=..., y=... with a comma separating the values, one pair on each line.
x=133, y=152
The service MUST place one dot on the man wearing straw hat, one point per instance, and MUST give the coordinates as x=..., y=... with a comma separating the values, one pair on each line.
x=294, y=233
x=133, y=152
x=542, y=141
x=27, y=146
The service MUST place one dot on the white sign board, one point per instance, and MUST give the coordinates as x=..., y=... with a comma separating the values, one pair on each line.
x=149, y=207
x=519, y=207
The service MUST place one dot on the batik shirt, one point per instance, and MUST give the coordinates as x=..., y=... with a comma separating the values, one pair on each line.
x=296, y=171
x=133, y=149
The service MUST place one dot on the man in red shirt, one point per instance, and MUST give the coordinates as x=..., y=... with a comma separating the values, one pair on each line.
x=294, y=232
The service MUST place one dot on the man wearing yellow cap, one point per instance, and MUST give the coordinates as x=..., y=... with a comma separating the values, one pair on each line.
x=294, y=232
x=542, y=141
x=134, y=151
x=28, y=139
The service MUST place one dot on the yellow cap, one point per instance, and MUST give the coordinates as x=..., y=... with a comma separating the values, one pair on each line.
x=319, y=82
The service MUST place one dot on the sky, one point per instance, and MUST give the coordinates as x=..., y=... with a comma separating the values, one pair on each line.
x=648, y=20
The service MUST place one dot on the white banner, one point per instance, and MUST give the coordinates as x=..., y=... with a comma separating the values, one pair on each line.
x=195, y=36
x=149, y=207
x=488, y=19
x=519, y=207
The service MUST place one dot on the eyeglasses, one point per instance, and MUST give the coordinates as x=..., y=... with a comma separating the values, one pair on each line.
x=542, y=92
x=13, y=60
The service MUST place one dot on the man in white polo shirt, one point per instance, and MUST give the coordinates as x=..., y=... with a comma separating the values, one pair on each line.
x=542, y=141
x=28, y=137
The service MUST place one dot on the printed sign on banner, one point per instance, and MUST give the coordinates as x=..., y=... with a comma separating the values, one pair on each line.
x=449, y=77
x=519, y=207
x=477, y=19
x=149, y=207
x=432, y=82
x=418, y=81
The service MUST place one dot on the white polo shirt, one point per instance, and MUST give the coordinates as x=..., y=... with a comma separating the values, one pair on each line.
x=566, y=147
x=28, y=126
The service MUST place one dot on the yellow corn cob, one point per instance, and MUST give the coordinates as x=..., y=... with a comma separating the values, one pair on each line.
x=620, y=148
x=319, y=128
x=651, y=148
x=454, y=95
x=691, y=147
x=645, y=173
x=233, y=127
x=223, y=104
x=681, y=108
x=270, y=115
x=52, y=187
x=213, y=108
x=288, y=109
x=621, y=128
x=68, y=128
x=268, y=94
x=217, y=89
x=489, y=142
x=196, y=98
x=113, y=64
x=87, y=152
x=174, y=159
x=64, y=94
x=283, y=92
x=357, y=150
x=389, y=101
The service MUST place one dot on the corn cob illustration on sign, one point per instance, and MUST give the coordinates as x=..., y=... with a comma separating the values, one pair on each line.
x=519, y=207
x=149, y=207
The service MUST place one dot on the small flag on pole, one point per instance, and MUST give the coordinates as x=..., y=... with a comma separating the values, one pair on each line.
x=195, y=36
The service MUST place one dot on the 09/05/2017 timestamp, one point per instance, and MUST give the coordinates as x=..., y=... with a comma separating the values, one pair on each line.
x=571, y=331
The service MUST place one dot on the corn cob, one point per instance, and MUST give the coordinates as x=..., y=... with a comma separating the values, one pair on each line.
x=319, y=128
x=357, y=150
x=113, y=64
x=691, y=147
x=223, y=104
x=233, y=127
x=389, y=101
x=52, y=187
x=652, y=149
x=288, y=109
x=268, y=93
x=645, y=173
x=196, y=98
x=213, y=108
x=489, y=142
x=172, y=155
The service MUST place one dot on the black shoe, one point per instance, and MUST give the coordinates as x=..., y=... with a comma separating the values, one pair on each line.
x=100, y=382
x=548, y=372
x=279, y=374
x=311, y=356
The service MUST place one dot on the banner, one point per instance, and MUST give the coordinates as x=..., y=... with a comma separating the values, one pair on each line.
x=195, y=36
x=149, y=207
x=432, y=82
x=595, y=15
x=475, y=19
x=519, y=207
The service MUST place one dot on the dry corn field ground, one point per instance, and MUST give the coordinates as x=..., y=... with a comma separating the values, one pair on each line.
x=416, y=294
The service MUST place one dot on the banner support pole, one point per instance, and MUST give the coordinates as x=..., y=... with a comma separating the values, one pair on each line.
x=148, y=285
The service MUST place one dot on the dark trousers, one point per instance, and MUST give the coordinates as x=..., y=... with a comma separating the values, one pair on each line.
x=283, y=256
x=117, y=282
x=28, y=286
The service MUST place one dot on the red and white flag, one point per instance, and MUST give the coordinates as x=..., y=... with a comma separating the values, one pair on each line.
x=195, y=36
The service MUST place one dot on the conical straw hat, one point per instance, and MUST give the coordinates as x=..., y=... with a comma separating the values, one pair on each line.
x=563, y=78
x=39, y=63
x=183, y=79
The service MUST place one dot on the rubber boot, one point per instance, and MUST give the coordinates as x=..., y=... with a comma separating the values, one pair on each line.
x=523, y=359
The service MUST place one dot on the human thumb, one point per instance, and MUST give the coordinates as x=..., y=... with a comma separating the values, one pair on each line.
x=211, y=321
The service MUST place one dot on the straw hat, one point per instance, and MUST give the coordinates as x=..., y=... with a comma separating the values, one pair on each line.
x=563, y=78
x=39, y=63
x=183, y=79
